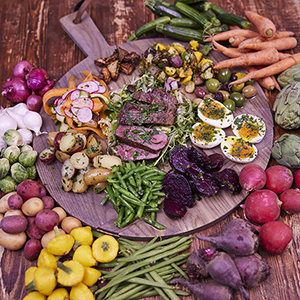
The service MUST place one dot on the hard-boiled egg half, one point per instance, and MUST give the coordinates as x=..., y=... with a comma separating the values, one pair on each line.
x=248, y=127
x=238, y=150
x=206, y=136
x=215, y=113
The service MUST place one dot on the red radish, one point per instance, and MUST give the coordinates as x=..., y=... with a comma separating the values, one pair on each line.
x=275, y=237
x=75, y=94
x=279, y=178
x=84, y=114
x=252, y=177
x=290, y=201
x=88, y=86
x=262, y=206
x=297, y=178
x=81, y=102
x=101, y=89
x=66, y=94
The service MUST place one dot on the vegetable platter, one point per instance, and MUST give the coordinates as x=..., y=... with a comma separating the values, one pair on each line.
x=87, y=206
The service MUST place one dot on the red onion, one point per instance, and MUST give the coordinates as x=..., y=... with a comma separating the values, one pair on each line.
x=46, y=88
x=45, y=73
x=16, y=90
x=22, y=68
x=35, y=79
x=34, y=103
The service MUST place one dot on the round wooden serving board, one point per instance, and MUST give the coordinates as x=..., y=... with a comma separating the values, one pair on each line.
x=87, y=206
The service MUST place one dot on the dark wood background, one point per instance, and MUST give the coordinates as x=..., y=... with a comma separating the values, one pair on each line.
x=30, y=30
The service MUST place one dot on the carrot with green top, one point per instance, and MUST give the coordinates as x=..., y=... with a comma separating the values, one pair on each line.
x=263, y=57
x=273, y=69
x=265, y=26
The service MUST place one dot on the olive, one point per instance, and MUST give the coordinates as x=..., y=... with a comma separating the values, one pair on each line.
x=249, y=82
x=224, y=75
x=219, y=97
x=226, y=94
x=230, y=104
x=212, y=85
x=249, y=91
x=199, y=92
x=238, y=98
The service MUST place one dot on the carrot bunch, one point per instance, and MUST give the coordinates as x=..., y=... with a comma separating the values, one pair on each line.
x=257, y=51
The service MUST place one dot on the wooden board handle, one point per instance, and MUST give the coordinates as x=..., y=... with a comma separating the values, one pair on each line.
x=85, y=34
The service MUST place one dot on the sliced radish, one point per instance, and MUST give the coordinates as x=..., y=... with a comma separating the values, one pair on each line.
x=84, y=114
x=81, y=102
x=58, y=108
x=58, y=100
x=65, y=95
x=101, y=89
x=75, y=95
x=68, y=112
x=88, y=86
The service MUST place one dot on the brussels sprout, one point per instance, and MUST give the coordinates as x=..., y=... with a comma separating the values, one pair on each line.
x=28, y=158
x=7, y=184
x=286, y=150
x=2, y=144
x=12, y=154
x=32, y=172
x=13, y=137
x=4, y=167
x=25, y=148
x=287, y=107
x=18, y=172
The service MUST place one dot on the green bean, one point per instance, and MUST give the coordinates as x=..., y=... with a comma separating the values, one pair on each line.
x=156, y=178
x=104, y=200
x=125, y=202
x=131, y=218
x=138, y=180
x=133, y=201
x=179, y=270
x=132, y=190
x=132, y=164
x=131, y=180
x=128, y=294
x=120, y=216
x=148, y=282
x=140, y=211
x=151, y=209
x=125, y=289
x=122, y=183
x=125, y=192
x=153, y=215
x=97, y=233
x=154, y=223
x=112, y=198
x=133, y=171
x=159, y=194
x=146, y=182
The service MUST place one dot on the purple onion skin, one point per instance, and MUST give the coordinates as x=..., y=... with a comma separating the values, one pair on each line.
x=34, y=102
x=16, y=90
x=35, y=79
x=22, y=68
x=46, y=88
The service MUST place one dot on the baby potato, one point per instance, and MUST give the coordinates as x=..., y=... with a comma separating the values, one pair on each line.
x=1, y=216
x=106, y=161
x=69, y=223
x=91, y=141
x=4, y=207
x=50, y=138
x=14, y=212
x=100, y=186
x=61, y=156
x=32, y=206
x=79, y=160
x=94, y=150
x=79, y=185
x=66, y=184
x=96, y=175
x=12, y=241
x=61, y=212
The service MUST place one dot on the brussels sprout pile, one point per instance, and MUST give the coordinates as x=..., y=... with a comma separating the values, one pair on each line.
x=17, y=162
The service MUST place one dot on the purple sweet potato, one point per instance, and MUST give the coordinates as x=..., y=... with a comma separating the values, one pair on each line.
x=229, y=180
x=211, y=290
x=239, y=238
x=173, y=209
x=204, y=182
x=222, y=268
x=177, y=188
x=252, y=268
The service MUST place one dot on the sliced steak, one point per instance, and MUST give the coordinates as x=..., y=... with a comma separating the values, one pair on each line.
x=127, y=153
x=164, y=96
x=148, y=139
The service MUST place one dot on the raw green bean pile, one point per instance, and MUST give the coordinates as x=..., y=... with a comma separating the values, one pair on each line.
x=135, y=191
x=145, y=270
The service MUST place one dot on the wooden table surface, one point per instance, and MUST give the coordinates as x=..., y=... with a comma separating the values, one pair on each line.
x=30, y=30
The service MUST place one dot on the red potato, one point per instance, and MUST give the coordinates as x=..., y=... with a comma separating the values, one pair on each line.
x=15, y=201
x=57, y=139
x=48, y=202
x=79, y=145
x=14, y=224
x=297, y=178
x=290, y=201
x=262, y=206
x=275, y=237
x=252, y=177
x=32, y=249
x=43, y=192
x=29, y=188
x=47, y=156
x=33, y=231
x=279, y=178
x=46, y=219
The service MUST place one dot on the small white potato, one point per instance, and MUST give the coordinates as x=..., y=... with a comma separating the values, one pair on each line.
x=67, y=169
x=69, y=223
x=106, y=161
x=50, y=138
x=79, y=185
x=67, y=142
x=32, y=206
x=61, y=212
x=96, y=175
x=12, y=241
x=66, y=184
x=79, y=160
x=1, y=216
x=83, y=137
x=3, y=202
x=61, y=156
x=14, y=212
x=49, y=236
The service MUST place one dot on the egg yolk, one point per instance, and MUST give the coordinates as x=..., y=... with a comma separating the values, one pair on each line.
x=205, y=132
x=248, y=131
x=212, y=110
x=241, y=149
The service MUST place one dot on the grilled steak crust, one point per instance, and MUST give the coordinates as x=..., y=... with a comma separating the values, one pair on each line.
x=145, y=138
